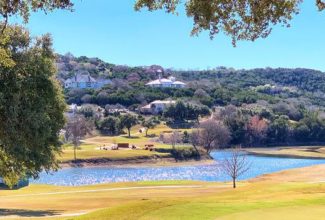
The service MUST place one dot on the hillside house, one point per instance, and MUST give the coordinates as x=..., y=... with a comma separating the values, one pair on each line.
x=83, y=81
x=166, y=83
x=156, y=107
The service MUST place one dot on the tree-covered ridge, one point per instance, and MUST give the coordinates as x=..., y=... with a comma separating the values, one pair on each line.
x=305, y=79
x=259, y=107
x=219, y=86
x=68, y=65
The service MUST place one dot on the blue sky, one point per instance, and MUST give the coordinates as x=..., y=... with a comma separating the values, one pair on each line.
x=114, y=32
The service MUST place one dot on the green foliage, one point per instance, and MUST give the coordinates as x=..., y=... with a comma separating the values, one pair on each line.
x=241, y=20
x=31, y=104
x=311, y=128
x=10, y=8
x=136, y=95
x=150, y=124
x=87, y=110
x=222, y=96
x=302, y=132
x=181, y=112
x=185, y=153
x=278, y=131
x=75, y=96
x=110, y=125
x=127, y=121
x=11, y=170
x=11, y=179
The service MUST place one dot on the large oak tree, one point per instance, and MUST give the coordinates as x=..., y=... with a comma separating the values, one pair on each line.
x=31, y=105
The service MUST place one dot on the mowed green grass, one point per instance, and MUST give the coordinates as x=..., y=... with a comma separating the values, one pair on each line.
x=276, y=196
x=248, y=202
x=89, y=149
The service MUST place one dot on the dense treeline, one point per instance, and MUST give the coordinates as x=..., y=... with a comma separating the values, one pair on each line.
x=220, y=86
x=262, y=128
x=305, y=79
x=134, y=94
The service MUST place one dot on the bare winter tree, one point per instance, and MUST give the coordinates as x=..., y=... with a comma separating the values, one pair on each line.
x=213, y=135
x=77, y=128
x=175, y=138
x=236, y=165
x=195, y=139
x=256, y=130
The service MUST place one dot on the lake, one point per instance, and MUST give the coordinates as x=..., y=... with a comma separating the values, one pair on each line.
x=212, y=172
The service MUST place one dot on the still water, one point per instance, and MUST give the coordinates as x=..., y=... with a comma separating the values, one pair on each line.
x=212, y=172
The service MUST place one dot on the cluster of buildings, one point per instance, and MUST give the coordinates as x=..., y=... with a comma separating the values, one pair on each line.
x=85, y=81
x=170, y=82
x=156, y=107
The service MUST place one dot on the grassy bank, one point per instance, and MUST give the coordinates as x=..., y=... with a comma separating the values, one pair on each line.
x=315, y=152
x=90, y=152
x=293, y=194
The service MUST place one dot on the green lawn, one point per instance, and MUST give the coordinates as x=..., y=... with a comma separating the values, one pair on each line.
x=109, y=154
x=278, y=201
x=89, y=149
x=294, y=194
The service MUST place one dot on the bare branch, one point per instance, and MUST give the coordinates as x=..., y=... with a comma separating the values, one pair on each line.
x=236, y=165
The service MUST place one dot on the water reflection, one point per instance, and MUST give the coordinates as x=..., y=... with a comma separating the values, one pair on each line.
x=212, y=172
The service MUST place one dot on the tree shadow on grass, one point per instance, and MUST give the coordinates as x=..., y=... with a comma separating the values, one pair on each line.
x=28, y=213
x=4, y=187
x=132, y=137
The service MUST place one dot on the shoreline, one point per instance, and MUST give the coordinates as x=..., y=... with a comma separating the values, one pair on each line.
x=161, y=162
x=284, y=156
x=276, y=152
x=170, y=161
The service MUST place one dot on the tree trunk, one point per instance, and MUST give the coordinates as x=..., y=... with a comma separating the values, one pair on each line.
x=129, y=131
x=147, y=132
x=234, y=183
x=208, y=148
x=74, y=152
x=197, y=151
x=174, y=152
x=208, y=151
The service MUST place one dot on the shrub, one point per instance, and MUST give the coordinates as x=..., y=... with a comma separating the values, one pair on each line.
x=185, y=153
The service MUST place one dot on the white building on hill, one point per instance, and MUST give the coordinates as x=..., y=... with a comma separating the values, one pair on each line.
x=83, y=81
x=156, y=107
x=166, y=83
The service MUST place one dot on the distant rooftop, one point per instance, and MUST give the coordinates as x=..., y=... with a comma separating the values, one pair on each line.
x=166, y=82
